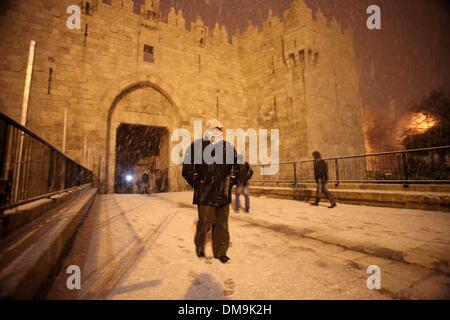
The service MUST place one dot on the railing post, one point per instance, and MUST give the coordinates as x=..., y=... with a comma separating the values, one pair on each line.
x=405, y=170
x=3, y=149
x=336, y=165
x=263, y=174
x=63, y=173
x=295, y=174
x=50, y=172
x=3, y=145
x=432, y=165
x=299, y=170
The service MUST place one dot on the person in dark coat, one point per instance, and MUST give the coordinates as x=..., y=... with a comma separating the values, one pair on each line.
x=212, y=178
x=321, y=177
x=145, y=182
x=245, y=174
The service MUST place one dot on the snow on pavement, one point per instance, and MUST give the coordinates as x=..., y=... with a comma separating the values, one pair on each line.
x=141, y=247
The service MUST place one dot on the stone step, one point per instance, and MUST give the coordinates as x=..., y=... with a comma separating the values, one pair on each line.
x=30, y=254
x=435, y=201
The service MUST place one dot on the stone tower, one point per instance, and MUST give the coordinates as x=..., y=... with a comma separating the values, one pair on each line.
x=301, y=77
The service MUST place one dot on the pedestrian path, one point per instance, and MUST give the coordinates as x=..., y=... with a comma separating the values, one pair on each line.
x=140, y=247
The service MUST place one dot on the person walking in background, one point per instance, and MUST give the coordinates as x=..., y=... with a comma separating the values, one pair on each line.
x=321, y=177
x=145, y=183
x=243, y=178
x=212, y=180
x=139, y=185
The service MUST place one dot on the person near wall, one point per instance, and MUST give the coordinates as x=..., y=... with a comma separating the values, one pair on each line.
x=210, y=167
x=321, y=177
x=145, y=183
x=242, y=187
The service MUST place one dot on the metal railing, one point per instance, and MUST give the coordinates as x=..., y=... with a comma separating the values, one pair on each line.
x=31, y=168
x=429, y=165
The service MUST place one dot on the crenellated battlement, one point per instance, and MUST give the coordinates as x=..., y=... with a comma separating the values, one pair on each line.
x=299, y=15
x=176, y=19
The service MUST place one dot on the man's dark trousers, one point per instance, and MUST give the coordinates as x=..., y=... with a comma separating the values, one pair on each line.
x=245, y=191
x=322, y=187
x=217, y=219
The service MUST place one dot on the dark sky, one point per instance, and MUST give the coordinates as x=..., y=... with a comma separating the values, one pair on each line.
x=397, y=65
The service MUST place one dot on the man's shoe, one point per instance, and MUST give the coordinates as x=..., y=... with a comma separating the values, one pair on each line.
x=333, y=205
x=315, y=204
x=247, y=210
x=224, y=259
x=236, y=210
x=200, y=253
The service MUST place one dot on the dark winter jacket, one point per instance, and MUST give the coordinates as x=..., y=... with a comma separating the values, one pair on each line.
x=212, y=182
x=320, y=170
x=245, y=174
x=145, y=178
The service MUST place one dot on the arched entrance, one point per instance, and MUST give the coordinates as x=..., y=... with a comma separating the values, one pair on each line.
x=142, y=111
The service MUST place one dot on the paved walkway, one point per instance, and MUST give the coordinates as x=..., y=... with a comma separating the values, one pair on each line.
x=140, y=247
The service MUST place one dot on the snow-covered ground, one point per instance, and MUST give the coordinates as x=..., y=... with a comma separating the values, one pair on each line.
x=141, y=247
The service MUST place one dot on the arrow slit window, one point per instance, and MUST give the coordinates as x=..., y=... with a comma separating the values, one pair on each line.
x=149, y=54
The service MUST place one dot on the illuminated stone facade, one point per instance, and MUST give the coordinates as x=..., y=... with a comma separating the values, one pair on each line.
x=296, y=74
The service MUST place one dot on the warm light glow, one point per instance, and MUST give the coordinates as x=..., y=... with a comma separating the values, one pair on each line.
x=414, y=123
x=421, y=123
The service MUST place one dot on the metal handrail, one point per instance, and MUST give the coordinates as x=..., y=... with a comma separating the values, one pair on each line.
x=355, y=156
x=35, y=136
x=425, y=165
x=31, y=168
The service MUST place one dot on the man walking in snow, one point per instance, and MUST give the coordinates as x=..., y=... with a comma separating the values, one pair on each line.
x=321, y=177
x=210, y=167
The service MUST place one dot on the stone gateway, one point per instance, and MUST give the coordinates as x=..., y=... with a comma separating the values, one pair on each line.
x=296, y=73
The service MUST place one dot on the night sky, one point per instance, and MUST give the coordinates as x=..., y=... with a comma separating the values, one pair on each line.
x=397, y=65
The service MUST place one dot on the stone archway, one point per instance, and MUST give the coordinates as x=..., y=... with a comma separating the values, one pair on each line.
x=141, y=103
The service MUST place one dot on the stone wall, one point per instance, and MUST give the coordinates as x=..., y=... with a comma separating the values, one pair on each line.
x=251, y=81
